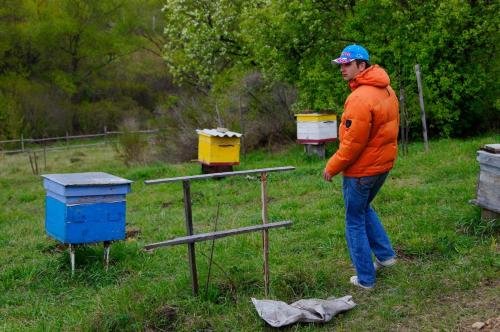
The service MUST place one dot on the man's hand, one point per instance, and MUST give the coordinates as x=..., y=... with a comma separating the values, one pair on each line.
x=327, y=176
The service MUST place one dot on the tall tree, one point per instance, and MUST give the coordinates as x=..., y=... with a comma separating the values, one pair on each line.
x=58, y=56
x=204, y=37
x=455, y=43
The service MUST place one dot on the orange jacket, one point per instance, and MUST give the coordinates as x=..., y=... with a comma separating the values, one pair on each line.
x=368, y=131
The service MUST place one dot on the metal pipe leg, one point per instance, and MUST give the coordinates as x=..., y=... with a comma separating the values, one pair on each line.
x=107, y=245
x=72, y=258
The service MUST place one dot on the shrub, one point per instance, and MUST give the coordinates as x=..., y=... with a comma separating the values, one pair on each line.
x=132, y=147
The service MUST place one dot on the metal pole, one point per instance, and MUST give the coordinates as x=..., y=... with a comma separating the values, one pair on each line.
x=107, y=245
x=422, y=108
x=265, y=232
x=72, y=258
x=212, y=251
x=189, y=229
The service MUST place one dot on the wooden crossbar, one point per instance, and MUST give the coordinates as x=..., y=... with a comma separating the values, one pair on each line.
x=220, y=175
x=216, y=235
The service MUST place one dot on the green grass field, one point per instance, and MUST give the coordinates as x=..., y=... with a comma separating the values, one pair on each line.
x=447, y=276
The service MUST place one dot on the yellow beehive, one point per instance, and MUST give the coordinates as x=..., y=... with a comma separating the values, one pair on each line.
x=218, y=147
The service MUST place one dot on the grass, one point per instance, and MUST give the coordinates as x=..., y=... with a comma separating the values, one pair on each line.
x=446, y=278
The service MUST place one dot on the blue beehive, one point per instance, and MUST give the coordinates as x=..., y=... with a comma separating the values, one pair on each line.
x=85, y=207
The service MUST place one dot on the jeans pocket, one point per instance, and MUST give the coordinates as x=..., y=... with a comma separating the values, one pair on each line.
x=366, y=182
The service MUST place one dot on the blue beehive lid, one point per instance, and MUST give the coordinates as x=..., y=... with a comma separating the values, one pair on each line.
x=86, y=184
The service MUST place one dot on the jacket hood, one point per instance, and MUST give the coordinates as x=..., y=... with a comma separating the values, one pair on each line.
x=374, y=76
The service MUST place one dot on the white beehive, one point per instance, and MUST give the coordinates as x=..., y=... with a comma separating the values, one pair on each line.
x=316, y=128
x=488, y=185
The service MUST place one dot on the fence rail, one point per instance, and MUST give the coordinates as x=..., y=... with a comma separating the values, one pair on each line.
x=41, y=143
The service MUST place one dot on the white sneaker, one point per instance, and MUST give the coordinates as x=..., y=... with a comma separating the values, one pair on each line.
x=354, y=280
x=380, y=264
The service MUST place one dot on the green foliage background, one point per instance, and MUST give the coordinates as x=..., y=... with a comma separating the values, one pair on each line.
x=77, y=66
x=455, y=43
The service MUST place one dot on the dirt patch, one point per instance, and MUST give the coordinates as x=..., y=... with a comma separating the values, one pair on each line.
x=411, y=182
x=164, y=319
x=404, y=255
x=132, y=232
x=54, y=248
x=483, y=306
x=473, y=310
x=492, y=324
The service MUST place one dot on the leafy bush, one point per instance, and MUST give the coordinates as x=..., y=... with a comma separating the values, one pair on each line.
x=132, y=147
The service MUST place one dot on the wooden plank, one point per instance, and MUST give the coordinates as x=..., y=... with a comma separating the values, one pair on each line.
x=216, y=235
x=223, y=174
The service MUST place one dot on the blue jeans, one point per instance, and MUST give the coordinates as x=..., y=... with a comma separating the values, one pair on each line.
x=364, y=231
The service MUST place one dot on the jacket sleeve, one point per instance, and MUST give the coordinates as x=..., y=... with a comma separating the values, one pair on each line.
x=356, y=122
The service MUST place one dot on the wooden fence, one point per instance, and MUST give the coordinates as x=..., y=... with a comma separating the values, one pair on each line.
x=49, y=143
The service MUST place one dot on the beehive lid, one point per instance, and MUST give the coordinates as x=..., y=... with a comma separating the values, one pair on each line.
x=493, y=148
x=86, y=179
x=311, y=114
x=219, y=132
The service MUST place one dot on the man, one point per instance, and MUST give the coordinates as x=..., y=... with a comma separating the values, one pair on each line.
x=368, y=146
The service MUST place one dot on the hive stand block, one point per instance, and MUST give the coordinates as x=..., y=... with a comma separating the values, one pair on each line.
x=315, y=150
x=488, y=214
x=210, y=169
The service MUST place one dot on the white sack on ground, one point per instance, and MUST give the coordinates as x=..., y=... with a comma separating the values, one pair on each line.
x=278, y=313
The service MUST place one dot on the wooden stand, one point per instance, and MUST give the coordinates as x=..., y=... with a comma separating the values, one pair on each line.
x=210, y=169
x=315, y=150
x=72, y=247
x=488, y=214
x=192, y=238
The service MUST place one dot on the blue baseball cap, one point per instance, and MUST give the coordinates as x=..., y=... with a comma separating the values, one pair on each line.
x=351, y=53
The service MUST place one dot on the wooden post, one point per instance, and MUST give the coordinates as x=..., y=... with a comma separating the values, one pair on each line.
x=22, y=143
x=265, y=232
x=35, y=158
x=403, y=121
x=67, y=139
x=45, y=155
x=422, y=108
x=189, y=229
x=31, y=163
x=242, y=127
